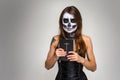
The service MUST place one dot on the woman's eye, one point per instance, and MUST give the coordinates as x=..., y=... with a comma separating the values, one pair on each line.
x=73, y=20
x=65, y=20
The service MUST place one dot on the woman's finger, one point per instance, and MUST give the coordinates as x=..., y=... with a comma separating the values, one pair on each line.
x=60, y=49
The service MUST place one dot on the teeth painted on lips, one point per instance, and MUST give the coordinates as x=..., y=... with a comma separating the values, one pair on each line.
x=69, y=29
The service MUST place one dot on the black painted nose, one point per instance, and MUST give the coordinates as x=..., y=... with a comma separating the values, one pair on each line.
x=69, y=25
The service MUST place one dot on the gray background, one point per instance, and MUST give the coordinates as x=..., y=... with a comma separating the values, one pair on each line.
x=27, y=26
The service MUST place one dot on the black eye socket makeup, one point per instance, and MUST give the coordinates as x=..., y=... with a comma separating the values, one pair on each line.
x=72, y=20
x=66, y=20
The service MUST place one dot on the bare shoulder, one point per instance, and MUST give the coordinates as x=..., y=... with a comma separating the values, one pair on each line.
x=87, y=40
x=55, y=41
x=56, y=37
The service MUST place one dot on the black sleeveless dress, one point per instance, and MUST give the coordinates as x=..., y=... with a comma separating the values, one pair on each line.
x=70, y=70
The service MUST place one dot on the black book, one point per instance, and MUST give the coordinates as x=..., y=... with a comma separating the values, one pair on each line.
x=67, y=45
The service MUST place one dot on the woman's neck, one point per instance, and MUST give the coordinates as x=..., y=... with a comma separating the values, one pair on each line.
x=70, y=35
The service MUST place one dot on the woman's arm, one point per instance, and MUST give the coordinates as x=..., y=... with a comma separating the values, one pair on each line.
x=90, y=63
x=51, y=57
x=54, y=54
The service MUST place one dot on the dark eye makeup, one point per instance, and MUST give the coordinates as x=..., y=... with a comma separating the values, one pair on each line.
x=72, y=20
x=66, y=20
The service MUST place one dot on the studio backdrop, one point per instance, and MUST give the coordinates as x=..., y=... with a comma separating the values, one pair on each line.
x=27, y=27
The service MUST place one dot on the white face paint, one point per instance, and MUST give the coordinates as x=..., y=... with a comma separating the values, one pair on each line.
x=69, y=24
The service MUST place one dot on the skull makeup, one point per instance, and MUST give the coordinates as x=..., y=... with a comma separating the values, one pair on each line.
x=69, y=24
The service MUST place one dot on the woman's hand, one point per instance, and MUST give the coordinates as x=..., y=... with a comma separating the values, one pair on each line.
x=60, y=52
x=73, y=56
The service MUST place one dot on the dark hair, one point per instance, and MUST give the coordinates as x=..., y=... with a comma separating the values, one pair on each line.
x=79, y=42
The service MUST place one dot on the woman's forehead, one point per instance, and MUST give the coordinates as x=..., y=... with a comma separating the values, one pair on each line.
x=67, y=15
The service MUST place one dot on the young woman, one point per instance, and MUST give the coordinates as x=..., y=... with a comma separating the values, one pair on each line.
x=70, y=25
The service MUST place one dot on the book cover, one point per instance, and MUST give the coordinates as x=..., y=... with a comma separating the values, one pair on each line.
x=67, y=45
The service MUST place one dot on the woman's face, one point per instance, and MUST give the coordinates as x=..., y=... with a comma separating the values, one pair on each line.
x=69, y=24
